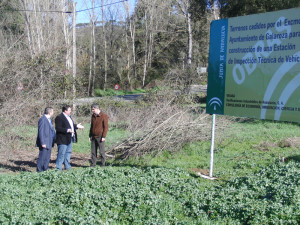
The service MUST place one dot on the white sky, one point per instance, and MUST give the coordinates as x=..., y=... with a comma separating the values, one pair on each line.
x=83, y=17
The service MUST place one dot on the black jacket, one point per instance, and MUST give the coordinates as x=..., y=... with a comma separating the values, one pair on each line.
x=61, y=126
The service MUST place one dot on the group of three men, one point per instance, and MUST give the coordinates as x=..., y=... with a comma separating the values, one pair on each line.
x=65, y=134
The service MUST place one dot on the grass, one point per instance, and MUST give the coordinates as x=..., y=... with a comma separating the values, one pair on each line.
x=243, y=148
x=114, y=136
x=237, y=149
x=27, y=135
x=112, y=92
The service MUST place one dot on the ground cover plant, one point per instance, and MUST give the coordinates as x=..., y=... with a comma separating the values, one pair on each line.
x=256, y=163
x=132, y=195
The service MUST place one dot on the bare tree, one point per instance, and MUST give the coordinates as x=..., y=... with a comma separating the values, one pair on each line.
x=104, y=44
x=184, y=6
x=214, y=9
x=67, y=38
x=149, y=14
x=92, y=55
x=131, y=27
x=29, y=35
x=47, y=23
x=126, y=7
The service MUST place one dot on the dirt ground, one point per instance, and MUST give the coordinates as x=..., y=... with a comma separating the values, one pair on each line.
x=18, y=160
x=15, y=161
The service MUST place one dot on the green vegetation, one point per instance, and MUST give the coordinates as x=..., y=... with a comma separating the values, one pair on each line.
x=254, y=186
x=112, y=92
x=131, y=195
x=83, y=145
x=244, y=147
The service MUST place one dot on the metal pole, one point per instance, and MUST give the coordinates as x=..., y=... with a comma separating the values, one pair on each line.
x=74, y=54
x=212, y=145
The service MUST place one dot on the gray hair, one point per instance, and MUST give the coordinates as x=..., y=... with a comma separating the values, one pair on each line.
x=48, y=110
x=95, y=106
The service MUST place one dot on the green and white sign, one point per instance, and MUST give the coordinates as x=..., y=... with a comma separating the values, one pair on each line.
x=254, y=66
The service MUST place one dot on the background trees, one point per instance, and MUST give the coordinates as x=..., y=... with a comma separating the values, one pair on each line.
x=230, y=8
x=119, y=45
x=155, y=40
x=139, y=46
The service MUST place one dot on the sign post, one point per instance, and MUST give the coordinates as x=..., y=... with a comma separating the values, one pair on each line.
x=116, y=87
x=212, y=146
x=126, y=83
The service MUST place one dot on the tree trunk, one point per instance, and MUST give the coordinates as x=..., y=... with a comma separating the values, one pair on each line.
x=184, y=6
x=37, y=27
x=146, y=48
x=131, y=26
x=66, y=32
x=190, y=39
x=105, y=47
x=91, y=60
x=28, y=28
x=128, y=58
x=132, y=35
x=94, y=57
x=214, y=9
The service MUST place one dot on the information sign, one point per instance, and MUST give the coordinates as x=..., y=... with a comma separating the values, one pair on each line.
x=254, y=66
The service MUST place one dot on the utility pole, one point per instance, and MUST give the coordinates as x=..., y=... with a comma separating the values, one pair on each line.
x=74, y=54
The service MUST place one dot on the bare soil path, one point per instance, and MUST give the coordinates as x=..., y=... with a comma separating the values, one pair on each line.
x=17, y=160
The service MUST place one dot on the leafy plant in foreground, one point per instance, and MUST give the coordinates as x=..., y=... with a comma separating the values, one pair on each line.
x=123, y=195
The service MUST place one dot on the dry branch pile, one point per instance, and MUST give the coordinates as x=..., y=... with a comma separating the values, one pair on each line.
x=163, y=126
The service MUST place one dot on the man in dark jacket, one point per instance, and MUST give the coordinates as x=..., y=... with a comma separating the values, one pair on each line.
x=45, y=139
x=65, y=136
x=98, y=131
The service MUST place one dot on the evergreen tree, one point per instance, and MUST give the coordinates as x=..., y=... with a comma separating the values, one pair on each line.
x=11, y=20
x=231, y=8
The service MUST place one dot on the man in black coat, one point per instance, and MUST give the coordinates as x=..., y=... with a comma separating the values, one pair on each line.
x=45, y=139
x=65, y=136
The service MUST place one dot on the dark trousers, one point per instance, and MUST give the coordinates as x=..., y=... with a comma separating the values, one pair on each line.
x=96, y=142
x=43, y=160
